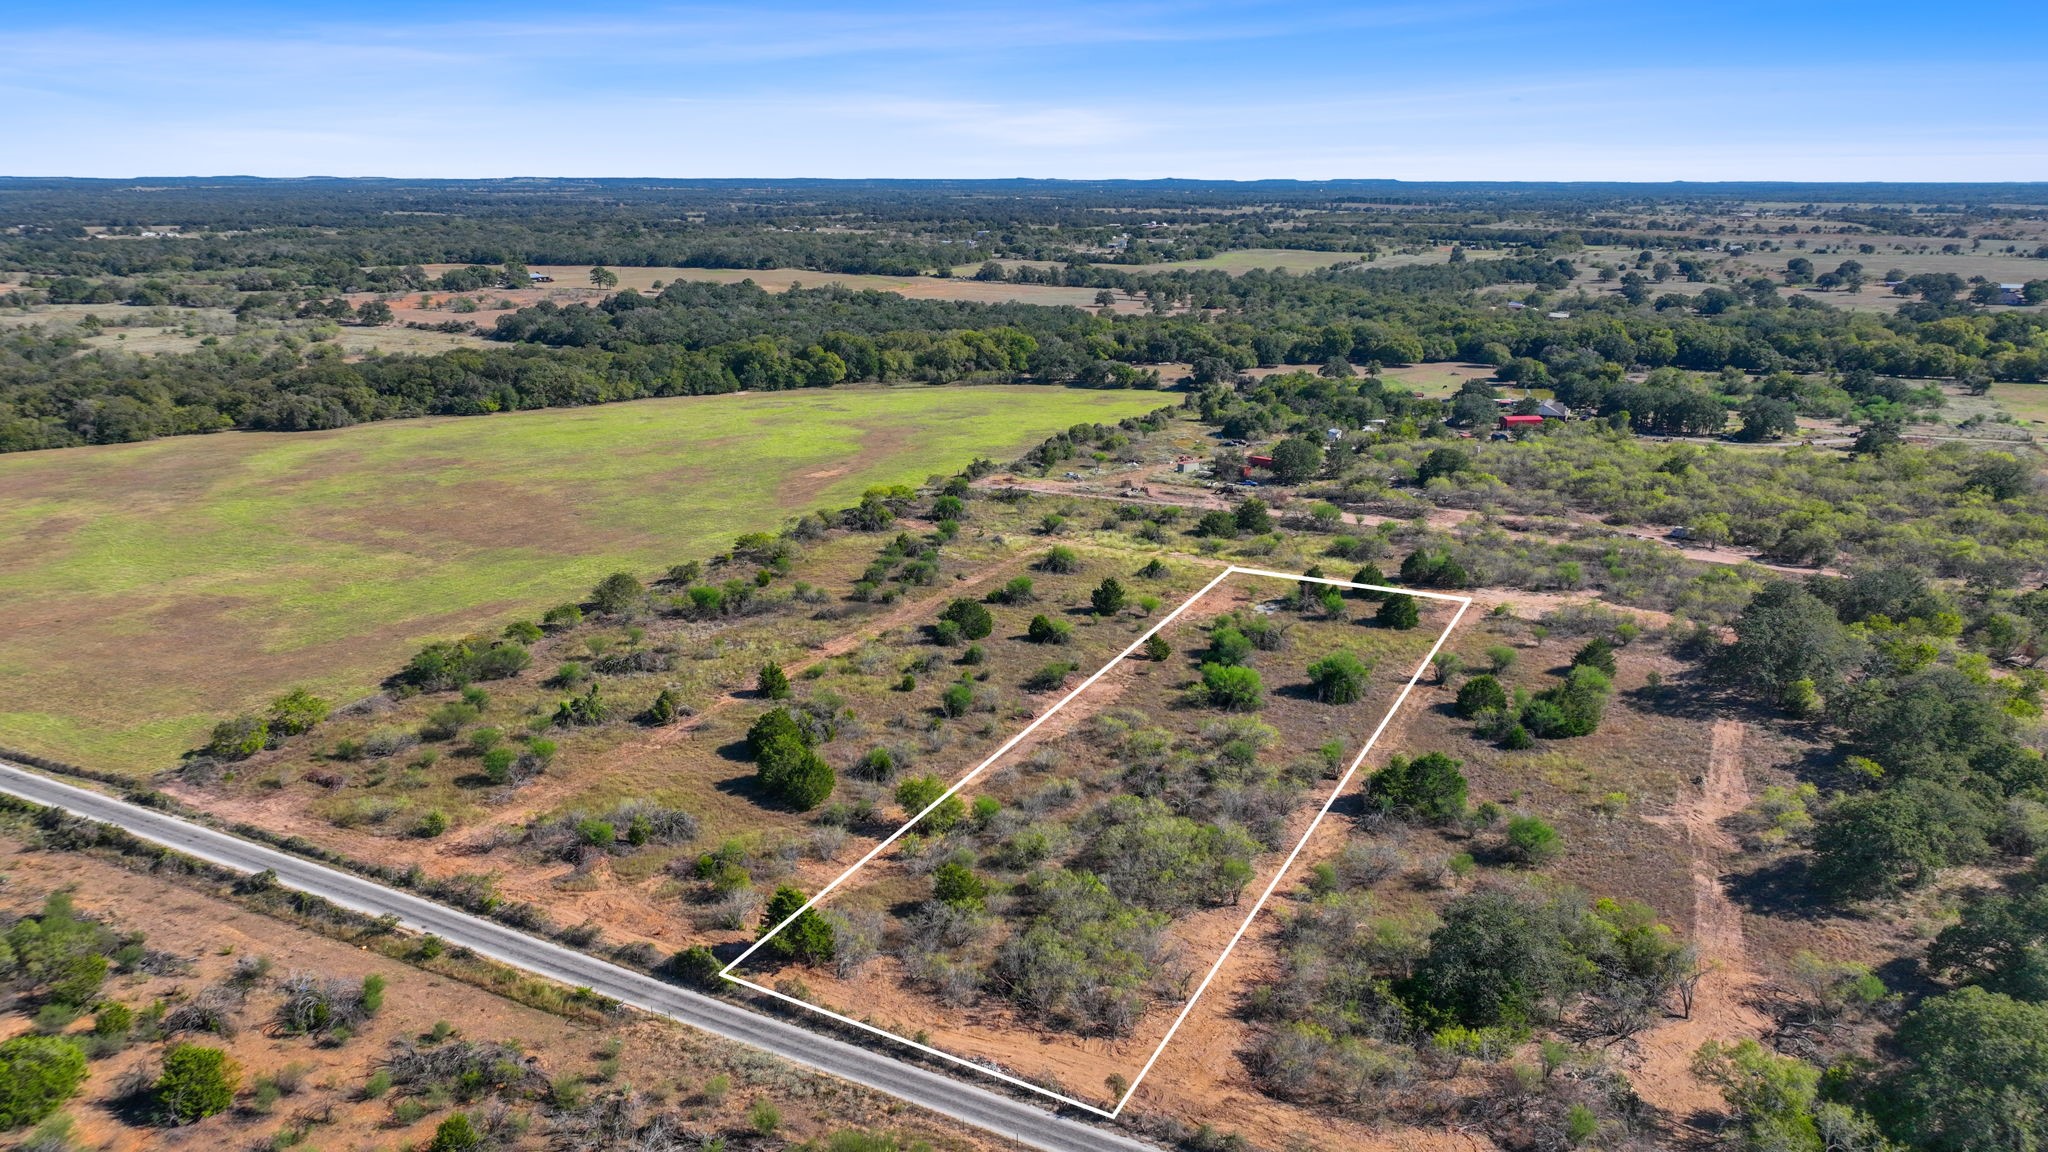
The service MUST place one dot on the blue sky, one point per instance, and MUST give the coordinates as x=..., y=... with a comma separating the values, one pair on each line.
x=1452, y=89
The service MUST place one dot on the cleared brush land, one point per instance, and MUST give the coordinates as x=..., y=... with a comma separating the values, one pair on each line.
x=149, y=588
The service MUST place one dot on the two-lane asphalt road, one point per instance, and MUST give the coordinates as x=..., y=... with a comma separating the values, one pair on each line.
x=948, y=1097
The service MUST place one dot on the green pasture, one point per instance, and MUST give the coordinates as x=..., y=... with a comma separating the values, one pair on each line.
x=149, y=589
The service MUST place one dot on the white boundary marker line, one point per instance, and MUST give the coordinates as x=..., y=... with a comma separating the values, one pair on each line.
x=1463, y=603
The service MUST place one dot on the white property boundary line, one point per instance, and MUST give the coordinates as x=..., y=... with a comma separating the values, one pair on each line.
x=1463, y=603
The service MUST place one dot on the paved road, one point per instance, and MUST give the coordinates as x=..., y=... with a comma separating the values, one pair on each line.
x=1023, y=1123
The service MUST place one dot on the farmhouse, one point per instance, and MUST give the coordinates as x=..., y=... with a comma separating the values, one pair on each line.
x=2012, y=294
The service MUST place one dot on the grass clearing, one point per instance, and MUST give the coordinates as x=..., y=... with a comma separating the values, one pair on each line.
x=153, y=588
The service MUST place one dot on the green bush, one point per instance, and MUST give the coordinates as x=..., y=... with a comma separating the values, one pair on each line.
x=37, y=1075
x=1532, y=841
x=296, y=712
x=1108, y=597
x=773, y=681
x=789, y=770
x=957, y=884
x=1060, y=559
x=1017, y=591
x=456, y=1134
x=1398, y=610
x=113, y=1019
x=917, y=793
x=1596, y=653
x=1428, y=788
x=1228, y=645
x=197, y=1082
x=1046, y=630
x=1340, y=678
x=1232, y=689
x=696, y=965
x=238, y=739
x=1050, y=677
x=973, y=620
x=1216, y=525
x=957, y=699
x=1573, y=708
x=1481, y=694
x=616, y=593
x=808, y=938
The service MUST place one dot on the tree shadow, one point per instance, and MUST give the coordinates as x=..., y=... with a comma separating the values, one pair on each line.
x=1782, y=887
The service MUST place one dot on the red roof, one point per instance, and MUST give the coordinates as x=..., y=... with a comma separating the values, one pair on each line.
x=1259, y=461
x=1520, y=421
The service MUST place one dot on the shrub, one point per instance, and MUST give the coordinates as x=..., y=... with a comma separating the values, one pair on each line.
x=1532, y=841
x=1428, y=788
x=1573, y=708
x=1050, y=677
x=562, y=616
x=456, y=1134
x=238, y=739
x=773, y=681
x=37, y=1075
x=957, y=699
x=113, y=1019
x=957, y=884
x=1232, y=689
x=583, y=711
x=1216, y=525
x=1252, y=516
x=447, y=721
x=1046, y=630
x=1481, y=694
x=197, y=1082
x=878, y=764
x=918, y=792
x=523, y=631
x=1228, y=645
x=616, y=593
x=696, y=965
x=1060, y=559
x=789, y=770
x=1398, y=610
x=1148, y=855
x=1340, y=678
x=296, y=712
x=764, y=1117
x=808, y=938
x=1156, y=649
x=1017, y=591
x=1108, y=597
x=973, y=620
x=666, y=709
x=1596, y=653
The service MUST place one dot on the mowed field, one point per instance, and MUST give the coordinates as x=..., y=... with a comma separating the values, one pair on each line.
x=148, y=590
